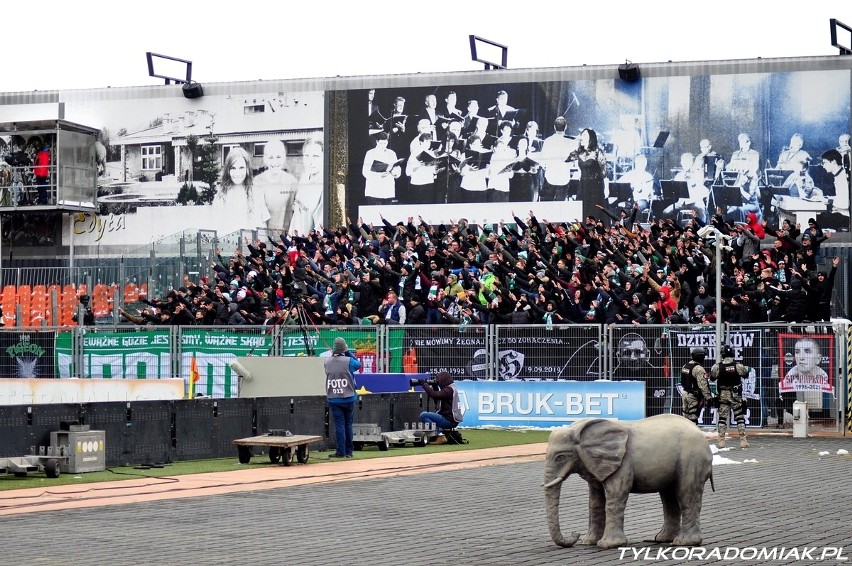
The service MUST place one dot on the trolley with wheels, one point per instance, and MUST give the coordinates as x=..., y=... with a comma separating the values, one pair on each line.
x=371, y=433
x=21, y=466
x=282, y=448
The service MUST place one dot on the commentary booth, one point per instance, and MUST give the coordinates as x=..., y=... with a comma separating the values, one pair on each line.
x=48, y=166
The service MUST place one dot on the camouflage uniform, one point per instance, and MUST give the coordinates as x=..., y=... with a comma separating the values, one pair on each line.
x=730, y=374
x=693, y=379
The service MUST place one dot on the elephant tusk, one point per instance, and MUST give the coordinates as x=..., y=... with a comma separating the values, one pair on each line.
x=553, y=483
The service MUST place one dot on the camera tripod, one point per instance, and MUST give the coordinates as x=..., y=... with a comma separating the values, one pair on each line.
x=303, y=320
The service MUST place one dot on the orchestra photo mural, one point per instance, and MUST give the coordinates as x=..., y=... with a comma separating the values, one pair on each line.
x=772, y=144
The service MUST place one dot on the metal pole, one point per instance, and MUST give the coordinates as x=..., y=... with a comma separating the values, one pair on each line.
x=71, y=243
x=718, y=296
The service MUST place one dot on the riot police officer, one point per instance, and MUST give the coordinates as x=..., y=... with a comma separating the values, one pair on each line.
x=693, y=380
x=730, y=374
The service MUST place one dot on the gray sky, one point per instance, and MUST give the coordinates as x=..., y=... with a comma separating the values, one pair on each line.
x=95, y=43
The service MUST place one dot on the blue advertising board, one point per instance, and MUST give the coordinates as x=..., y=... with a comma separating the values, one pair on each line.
x=546, y=404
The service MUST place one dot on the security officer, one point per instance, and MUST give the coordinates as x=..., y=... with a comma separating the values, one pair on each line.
x=730, y=374
x=693, y=379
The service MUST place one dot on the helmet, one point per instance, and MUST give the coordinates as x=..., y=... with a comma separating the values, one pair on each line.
x=698, y=354
x=727, y=351
x=84, y=299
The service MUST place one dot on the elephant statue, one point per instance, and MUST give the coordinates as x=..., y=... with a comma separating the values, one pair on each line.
x=666, y=454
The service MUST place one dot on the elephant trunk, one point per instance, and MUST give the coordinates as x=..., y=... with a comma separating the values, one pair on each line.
x=553, y=490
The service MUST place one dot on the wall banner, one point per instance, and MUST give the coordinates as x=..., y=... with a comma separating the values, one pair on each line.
x=118, y=355
x=546, y=405
x=27, y=354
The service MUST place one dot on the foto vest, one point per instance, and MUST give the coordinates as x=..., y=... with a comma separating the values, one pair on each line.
x=339, y=383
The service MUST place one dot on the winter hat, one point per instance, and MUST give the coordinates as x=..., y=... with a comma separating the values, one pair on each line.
x=340, y=346
x=699, y=309
x=241, y=294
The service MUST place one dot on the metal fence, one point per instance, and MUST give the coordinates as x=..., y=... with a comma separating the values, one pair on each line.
x=806, y=362
x=162, y=265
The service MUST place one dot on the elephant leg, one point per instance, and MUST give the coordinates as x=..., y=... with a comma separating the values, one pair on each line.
x=689, y=496
x=671, y=517
x=616, y=501
x=597, y=515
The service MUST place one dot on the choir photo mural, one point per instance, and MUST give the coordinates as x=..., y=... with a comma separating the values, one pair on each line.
x=771, y=144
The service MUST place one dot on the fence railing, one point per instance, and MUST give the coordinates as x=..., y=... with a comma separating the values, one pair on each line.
x=786, y=362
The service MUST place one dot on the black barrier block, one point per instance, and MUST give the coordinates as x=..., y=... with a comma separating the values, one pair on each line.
x=406, y=408
x=233, y=420
x=272, y=413
x=308, y=416
x=112, y=419
x=14, y=436
x=374, y=408
x=150, y=432
x=47, y=418
x=194, y=428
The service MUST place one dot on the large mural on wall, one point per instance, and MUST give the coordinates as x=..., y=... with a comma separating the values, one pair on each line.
x=221, y=162
x=773, y=144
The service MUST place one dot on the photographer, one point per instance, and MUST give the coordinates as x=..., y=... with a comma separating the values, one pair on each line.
x=340, y=391
x=449, y=414
x=88, y=315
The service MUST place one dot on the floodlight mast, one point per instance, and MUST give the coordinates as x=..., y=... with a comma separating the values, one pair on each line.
x=177, y=80
x=504, y=53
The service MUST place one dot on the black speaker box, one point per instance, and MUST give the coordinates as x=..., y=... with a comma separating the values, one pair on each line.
x=193, y=90
x=627, y=72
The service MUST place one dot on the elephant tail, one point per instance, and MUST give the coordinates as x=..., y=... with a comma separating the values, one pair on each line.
x=713, y=487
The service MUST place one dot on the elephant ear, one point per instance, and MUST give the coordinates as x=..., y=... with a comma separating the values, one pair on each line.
x=601, y=447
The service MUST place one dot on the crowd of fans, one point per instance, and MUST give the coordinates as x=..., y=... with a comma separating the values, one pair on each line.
x=602, y=270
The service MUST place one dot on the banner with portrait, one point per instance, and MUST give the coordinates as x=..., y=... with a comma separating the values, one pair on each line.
x=806, y=362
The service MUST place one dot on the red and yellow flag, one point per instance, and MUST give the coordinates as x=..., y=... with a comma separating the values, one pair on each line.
x=193, y=376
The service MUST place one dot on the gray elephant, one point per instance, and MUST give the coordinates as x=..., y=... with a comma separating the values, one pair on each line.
x=666, y=454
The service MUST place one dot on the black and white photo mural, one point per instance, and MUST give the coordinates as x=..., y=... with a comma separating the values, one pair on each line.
x=772, y=144
x=221, y=162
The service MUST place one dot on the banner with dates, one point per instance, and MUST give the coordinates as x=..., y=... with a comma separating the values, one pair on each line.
x=806, y=362
x=524, y=353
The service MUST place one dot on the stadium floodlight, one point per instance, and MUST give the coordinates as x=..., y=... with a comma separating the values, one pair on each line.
x=487, y=52
x=174, y=69
x=845, y=47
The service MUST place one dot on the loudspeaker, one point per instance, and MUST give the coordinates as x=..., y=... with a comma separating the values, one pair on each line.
x=628, y=72
x=192, y=90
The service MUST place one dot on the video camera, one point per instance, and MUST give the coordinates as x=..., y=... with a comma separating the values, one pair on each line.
x=423, y=382
x=298, y=288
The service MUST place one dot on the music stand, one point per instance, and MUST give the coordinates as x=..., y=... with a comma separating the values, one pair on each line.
x=776, y=177
x=621, y=192
x=661, y=139
x=672, y=191
x=726, y=196
x=730, y=178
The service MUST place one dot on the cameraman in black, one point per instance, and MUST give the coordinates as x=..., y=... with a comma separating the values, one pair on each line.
x=449, y=414
x=88, y=315
x=730, y=374
x=693, y=380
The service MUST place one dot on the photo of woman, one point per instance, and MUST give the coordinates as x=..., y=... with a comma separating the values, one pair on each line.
x=245, y=207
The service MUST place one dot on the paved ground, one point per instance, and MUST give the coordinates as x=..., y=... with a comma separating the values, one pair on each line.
x=416, y=510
